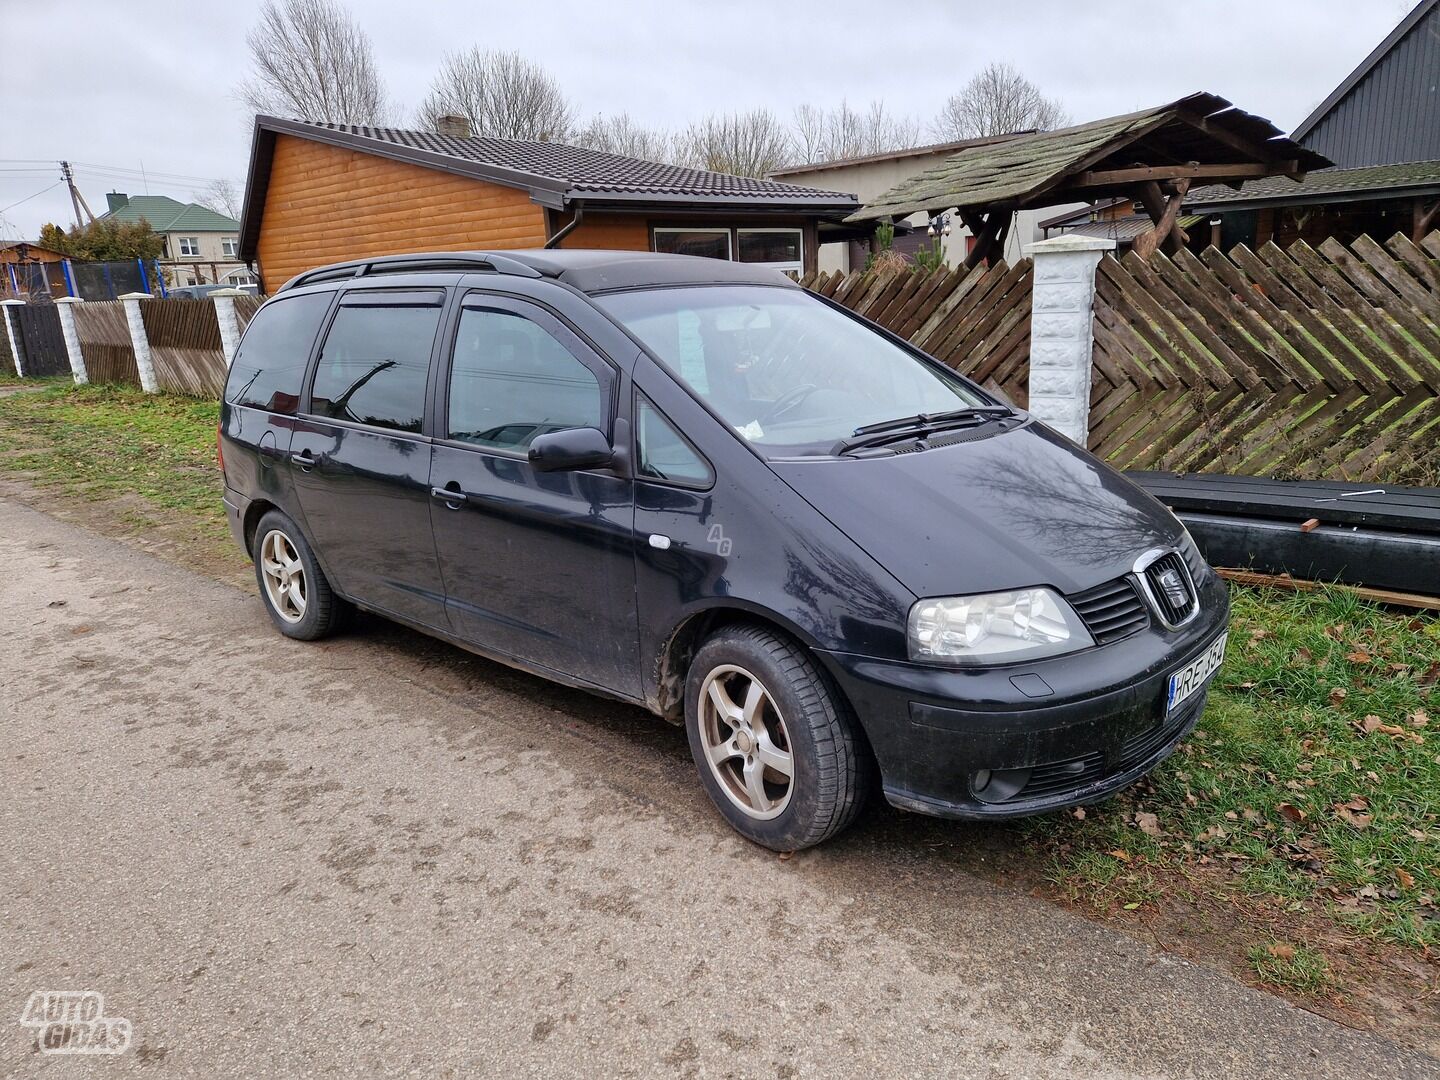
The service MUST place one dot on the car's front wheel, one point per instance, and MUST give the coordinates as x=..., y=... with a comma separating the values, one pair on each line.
x=297, y=594
x=777, y=750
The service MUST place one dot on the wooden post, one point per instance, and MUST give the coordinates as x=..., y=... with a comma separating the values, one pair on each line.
x=1425, y=219
x=1165, y=232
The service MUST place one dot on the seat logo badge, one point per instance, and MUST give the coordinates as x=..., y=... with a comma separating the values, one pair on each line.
x=720, y=540
x=1174, y=588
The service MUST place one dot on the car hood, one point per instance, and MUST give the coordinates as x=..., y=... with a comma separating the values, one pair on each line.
x=1020, y=508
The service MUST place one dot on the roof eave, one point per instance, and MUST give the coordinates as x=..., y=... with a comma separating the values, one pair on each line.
x=1255, y=202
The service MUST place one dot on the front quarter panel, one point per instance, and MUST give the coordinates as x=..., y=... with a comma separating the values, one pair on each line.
x=750, y=543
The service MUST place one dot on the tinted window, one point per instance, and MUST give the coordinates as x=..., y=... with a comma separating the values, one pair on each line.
x=512, y=380
x=373, y=365
x=270, y=365
x=663, y=452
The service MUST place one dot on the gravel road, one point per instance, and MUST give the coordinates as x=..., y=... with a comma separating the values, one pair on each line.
x=380, y=855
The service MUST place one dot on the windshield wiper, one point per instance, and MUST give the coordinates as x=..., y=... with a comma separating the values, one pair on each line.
x=919, y=425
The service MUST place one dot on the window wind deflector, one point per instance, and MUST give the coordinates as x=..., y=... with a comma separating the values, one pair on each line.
x=910, y=427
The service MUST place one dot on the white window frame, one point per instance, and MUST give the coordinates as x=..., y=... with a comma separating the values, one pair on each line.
x=797, y=265
x=230, y=246
x=193, y=242
x=705, y=229
x=241, y=276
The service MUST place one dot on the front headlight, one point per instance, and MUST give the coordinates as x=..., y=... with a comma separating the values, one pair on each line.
x=995, y=628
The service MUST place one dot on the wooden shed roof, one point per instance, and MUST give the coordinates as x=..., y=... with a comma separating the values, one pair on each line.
x=1085, y=161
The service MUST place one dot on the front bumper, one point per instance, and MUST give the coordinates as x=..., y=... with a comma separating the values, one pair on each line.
x=1092, y=724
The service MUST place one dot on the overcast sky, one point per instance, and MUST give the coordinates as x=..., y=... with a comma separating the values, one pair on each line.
x=117, y=87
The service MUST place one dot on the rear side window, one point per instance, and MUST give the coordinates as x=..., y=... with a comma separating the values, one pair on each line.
x=512, y=380
x=270, y=366
x=373, y=365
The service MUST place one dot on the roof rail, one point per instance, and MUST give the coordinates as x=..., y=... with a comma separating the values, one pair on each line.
x=419, y=263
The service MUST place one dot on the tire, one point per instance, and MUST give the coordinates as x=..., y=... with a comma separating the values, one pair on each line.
x=830, y=765
x=296, y=593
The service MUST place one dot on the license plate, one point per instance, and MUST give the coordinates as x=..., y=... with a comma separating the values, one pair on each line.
x=1194, y=675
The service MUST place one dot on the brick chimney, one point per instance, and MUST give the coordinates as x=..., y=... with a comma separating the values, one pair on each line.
x=457, y=127
x=116, y=199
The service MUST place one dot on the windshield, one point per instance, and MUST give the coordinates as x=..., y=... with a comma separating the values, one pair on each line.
x=789, y=373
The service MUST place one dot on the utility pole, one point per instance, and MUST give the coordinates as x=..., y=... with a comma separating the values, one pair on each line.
x=76, y=199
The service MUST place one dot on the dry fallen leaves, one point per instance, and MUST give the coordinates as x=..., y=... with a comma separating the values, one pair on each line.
x=1117, y=853
x=1281, y=951
x=1337, y=695
x=1291, y=811
x=1355, y=812
x=1406, y=879
x=1149, y=824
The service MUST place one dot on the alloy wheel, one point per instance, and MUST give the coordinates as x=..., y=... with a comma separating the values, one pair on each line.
x=284, y=576
x=746, y=742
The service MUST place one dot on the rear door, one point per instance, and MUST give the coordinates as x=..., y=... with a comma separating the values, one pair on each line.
x=537, y=566
x=361, y=458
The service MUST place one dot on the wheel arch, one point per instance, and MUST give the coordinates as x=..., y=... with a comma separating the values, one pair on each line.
x=672, y=659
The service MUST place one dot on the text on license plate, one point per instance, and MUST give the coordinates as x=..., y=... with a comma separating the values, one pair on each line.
x=1194, y=675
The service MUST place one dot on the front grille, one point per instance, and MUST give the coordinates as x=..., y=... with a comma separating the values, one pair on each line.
x=1111, y=611
x=1170, y=589
x=1062, y=776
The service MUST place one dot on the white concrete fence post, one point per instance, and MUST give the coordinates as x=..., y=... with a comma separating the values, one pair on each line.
x=72, y=337
x=143, y=363
x=1062, y=331
x=12, y=333
x=229, y=322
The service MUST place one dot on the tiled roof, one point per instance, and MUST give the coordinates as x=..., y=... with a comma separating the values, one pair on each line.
x=587, y=172
x=1350, y=182
x=1124, y=230
x=170, y=215
x=924, y=150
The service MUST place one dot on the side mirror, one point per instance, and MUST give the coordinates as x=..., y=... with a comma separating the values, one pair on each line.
x=573, y=448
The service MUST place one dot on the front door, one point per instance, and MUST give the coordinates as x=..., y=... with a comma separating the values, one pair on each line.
x=537, y=566
x=360, y=460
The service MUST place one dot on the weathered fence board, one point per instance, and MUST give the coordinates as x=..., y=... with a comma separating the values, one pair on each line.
x=977, y=321
x=1297, y=363
x=105, y=342
x=41, y=341
x=184, y=338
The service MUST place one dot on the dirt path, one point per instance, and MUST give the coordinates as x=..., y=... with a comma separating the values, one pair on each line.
x=380, y=855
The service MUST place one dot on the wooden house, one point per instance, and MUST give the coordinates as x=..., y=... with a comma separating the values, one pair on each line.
x=319, y=193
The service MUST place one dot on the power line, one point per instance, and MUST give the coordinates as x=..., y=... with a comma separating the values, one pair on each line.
x=27, y=198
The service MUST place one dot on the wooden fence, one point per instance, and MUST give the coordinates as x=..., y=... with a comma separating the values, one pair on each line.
x=184, y=338
x=105, y=342
x=977, y=321
x=1296, y=364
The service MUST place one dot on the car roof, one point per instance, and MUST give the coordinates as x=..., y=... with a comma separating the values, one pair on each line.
x=588, y=270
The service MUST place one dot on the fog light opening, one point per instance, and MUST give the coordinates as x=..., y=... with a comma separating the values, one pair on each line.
x=998, y=785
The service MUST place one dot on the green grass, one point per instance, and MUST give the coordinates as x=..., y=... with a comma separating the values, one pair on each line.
x=1314, y=775
x=1312, y=783
x=1292, y=967
x=106, y=441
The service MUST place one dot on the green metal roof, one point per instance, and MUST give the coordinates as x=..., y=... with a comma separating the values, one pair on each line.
x=170, y=215
x=1021, y=171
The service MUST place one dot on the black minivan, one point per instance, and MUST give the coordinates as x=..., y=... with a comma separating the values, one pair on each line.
x=693, y=485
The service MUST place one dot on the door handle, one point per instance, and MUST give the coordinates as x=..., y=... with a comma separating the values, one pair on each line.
x=305, y=459
x=451, y=497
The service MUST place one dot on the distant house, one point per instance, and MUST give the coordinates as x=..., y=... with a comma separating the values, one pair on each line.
x=28, y=269
x=202, y=247
x=320, y=193
x=872, y=175
x=1381, y=127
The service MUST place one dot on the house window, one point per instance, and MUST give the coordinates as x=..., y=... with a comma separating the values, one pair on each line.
x=230, y=246
x=240, y=277
x=783, y=249
x=709, y=243
x=189, y=247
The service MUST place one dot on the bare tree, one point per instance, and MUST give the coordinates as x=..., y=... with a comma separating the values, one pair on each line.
x=827, y=134
x=746, y=144
x=312, y=61
x=502, y=94
x=621, y=135
x=997, y=101
x=222, y=196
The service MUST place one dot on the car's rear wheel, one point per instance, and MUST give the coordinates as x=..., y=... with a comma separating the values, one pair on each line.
x=295, y=590
x=776, y=748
